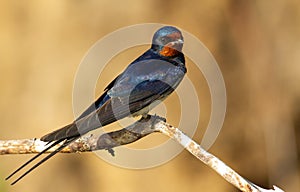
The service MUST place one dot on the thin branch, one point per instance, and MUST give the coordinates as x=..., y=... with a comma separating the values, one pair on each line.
x=132, y=133
x=216, y=164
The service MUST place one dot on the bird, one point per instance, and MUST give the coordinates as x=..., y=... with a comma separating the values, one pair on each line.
x=151, y=77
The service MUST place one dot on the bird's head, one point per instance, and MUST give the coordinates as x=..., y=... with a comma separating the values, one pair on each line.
x=167, y=41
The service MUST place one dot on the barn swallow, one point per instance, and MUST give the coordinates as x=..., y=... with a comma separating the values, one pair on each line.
x=152, y=76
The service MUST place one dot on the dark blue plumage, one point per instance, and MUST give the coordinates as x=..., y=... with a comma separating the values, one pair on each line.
x=152, y=76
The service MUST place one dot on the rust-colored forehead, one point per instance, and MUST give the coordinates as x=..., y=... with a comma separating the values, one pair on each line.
x=175, y=35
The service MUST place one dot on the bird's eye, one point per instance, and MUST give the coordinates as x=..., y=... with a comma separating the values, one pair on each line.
x=163, y=39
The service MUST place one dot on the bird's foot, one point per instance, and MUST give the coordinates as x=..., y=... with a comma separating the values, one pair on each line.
x=111, y=151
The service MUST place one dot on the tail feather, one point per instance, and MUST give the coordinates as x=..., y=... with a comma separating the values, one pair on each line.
x=65, y=132
x=32, y=159
x=66, y=142
x=96, y=119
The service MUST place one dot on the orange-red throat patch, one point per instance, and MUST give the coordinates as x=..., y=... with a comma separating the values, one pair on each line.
x=168, y=51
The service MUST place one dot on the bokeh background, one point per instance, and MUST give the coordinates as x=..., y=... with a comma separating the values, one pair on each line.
x=256, y=44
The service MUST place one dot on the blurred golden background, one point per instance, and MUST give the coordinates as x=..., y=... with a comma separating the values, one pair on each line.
x=256, y=44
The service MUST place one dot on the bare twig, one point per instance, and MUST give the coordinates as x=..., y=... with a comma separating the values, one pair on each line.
x=131, y=134
x=216, y=164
